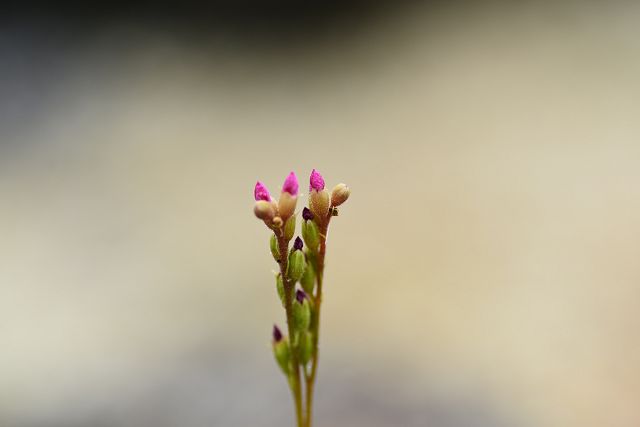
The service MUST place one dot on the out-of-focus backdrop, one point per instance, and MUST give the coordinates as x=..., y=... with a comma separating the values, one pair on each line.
x=484, y=273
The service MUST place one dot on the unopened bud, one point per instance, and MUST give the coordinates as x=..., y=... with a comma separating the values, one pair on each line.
x=301, y=312
x=264, y=210
x=319, y=202
x=273, y=244
x=287, y=205
x=308, y=279
x=301, y=296
x=311, y=235
x=260, y=192
x=291, y=184
x=277, y=222
x=307, y=214
x=281, y=350
x=339, y=195
x=316, y=182
x=297, y=244
x=296, y=266
x=277, y=334
x=290, y=228
x=305, y=347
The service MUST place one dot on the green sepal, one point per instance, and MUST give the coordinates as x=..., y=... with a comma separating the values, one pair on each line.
x=290, y=228
x=297, y=265
x=282, y=353
x=280, y=288
x=301, y=315
x=308, y=279
x=311, y=235
x=274, y=248
x=305, y=347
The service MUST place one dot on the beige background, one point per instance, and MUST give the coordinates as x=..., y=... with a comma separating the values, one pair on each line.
x=485, y=271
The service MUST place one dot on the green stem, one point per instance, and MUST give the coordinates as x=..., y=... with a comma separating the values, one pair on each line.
x=283, y=248
x=311, y=378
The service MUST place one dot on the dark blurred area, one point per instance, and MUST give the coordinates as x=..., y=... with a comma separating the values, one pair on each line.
x=257, y=21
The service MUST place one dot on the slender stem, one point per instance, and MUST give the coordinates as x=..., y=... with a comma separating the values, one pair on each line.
x=311, y=378
x=283, y=248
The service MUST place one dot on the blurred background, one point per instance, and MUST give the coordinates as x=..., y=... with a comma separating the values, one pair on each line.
x=484, y=273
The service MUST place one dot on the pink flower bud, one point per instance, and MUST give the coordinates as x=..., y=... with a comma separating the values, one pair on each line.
x=260, y=192
x=316, y=182
x=291, y=184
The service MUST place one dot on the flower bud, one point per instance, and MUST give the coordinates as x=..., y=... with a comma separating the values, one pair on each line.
x=307, y=214
x=339, y=195
x=291, y=184
x=297, y=265
x=319, y=203
x=298, y=245
x=290, y=228
x=287, y=205
x=281, y=350
x=316, y=181
x=301, y=312
x=305, y=347
x=260, y=192
x=280, y=288
x=301, y=296
x=264, y=210
x=277, y=222
x=288, y=197
x=308, y=279
x=277, y=334
x=311, y=235
x=274, y=248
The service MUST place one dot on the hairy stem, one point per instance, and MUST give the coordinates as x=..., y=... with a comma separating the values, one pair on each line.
x=283, y=248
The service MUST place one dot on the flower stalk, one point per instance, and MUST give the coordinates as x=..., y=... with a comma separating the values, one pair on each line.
x=298, y=354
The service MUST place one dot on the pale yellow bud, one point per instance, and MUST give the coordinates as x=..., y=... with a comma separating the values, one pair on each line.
x=339, y=195
x=319, y=203
x=287, y=205
x=264, y=210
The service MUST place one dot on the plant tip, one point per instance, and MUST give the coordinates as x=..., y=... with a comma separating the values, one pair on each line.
x=291, y=184
x=316, y=182
x=260, y=192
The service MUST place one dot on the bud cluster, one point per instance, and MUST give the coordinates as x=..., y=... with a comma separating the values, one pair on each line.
x=301, y=264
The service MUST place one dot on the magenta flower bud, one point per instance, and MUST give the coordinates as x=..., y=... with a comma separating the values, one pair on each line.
x=307, y=214
x=277, y=334
x=297, y=245
x=260, y=192
x=301, y=296
x=288, y=197
x=316, y=182
x=291, y=184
